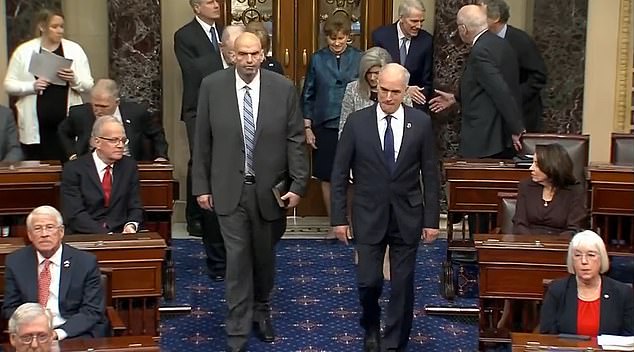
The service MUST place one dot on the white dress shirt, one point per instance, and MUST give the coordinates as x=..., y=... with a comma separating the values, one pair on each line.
x=53, y=296
x=255, y=102
x=401, y=35
x=101, y=171
x=502, y=32
x=207, y=28
x=398, y=120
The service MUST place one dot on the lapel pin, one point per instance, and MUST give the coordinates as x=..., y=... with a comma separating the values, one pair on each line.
x=409, y=125
x=606, y=296
x=127, y=121
x=66, y=264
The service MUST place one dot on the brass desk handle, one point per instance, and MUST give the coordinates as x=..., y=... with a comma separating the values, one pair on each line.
x=305, y=57
x=287, y=57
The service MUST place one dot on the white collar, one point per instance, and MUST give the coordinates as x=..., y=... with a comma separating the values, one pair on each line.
x=254, y=84
x=100, y=164
x=56, y=258
x=206, y=26
x=398, y=114
x=400, y=33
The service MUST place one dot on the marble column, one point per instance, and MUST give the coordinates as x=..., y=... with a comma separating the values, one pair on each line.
x=135, y=50
x=559, y=29
x=20, y=16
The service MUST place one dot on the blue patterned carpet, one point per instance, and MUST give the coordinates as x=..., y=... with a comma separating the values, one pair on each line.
x=315, y=304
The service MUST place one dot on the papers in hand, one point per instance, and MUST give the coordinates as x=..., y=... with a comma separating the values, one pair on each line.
x=46, y=65
x=616, y=343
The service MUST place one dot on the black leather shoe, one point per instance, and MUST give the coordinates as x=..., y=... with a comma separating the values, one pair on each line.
x=231, y=349
x=372, y=340
x=217, y=277
x=195, y=228
x=264, y=330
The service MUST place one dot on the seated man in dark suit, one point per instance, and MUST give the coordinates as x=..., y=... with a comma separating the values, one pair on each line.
x=74, y=131
x=31, y=322
x=100, y=190
x=59, y=277
x=10, y=149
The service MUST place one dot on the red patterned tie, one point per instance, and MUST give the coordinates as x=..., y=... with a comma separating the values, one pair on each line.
x=44, y=283
x=106, y=183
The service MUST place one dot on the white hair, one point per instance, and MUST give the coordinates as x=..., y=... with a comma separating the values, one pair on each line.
x=406, y=7
x=590, y=239
x=26, y=313
x=44, y=210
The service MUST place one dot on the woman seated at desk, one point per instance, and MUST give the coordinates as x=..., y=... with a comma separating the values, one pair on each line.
x=586, y=302
x=551, y=201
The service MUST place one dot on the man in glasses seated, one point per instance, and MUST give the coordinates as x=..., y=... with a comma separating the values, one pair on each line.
x=56, y=277
x=100, y=190
x=31, y=329
x=74, y=132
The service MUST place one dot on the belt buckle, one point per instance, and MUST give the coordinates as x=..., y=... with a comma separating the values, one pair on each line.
x=249, y=179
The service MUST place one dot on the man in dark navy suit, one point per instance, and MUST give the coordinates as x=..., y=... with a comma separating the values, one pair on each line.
x=390, y=148
x=411, y=46
x=197, y=47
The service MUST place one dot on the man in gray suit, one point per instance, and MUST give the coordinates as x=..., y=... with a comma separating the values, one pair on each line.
x=9, y=146
x=249, y=139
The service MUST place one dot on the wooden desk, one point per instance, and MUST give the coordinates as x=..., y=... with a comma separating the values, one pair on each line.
x=136, y=264
x=473, y=185
x=522, y=342
x=612, y=204
x=120, y=343
x=514, y=267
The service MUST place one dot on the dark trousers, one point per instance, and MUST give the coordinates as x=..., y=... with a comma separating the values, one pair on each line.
x=250, y=244
x=212, y=239
x=400, y=309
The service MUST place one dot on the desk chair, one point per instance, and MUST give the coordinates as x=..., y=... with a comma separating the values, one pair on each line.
x=622, y=149
x=576, y=145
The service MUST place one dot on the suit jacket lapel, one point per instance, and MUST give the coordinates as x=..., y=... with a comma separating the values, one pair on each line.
x=395, y=50
x=266, y=92
x=116, y=179
x=31, y=275
x=376, y=139
x=91, y=170
x=405, y=141
x=65, y=274
x=203, y=39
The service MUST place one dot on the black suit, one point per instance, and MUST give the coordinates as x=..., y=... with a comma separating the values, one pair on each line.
x=83, y=198
x=74, y=131
x=81, y=297
x=387, y=208
x=419, y=60
x=270, y=63
x=490, y=97
x=198, y=59
x=559, y=310
x=533, y=76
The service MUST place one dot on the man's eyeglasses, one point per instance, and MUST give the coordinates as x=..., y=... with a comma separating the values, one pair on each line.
x=41, y=337
x=115, y=141
x=48, y=228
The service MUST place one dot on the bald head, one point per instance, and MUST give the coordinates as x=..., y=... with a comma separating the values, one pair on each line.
x=392, y=84
x=471, y=19
x=248, y=56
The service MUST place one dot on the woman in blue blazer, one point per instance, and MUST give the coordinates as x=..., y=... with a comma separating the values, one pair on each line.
x=586, y=302
x=329, y=71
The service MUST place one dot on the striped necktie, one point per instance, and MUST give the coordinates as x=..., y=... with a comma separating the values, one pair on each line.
x=249, y=131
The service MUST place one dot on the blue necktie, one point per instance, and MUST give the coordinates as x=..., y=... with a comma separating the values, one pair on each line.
x=249, y=131
x=388, y=145
x=214, y=38
x=403, y=51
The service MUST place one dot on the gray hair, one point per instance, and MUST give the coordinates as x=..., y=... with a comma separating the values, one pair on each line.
x=406, y=7
x=26, y=313
x=375, y=56
x=44, y=210
x=98, y=126
x=402, y=70
x=231, y=32
x=193, y=3
x=108, y=86
x=590, y=239
x=497, y=9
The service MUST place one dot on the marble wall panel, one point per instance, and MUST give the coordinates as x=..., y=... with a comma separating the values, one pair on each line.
x=20, y=19
x=559, y=29
x=135, y=50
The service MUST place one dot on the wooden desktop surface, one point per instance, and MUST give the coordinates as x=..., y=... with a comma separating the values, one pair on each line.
x=522, y=342
x=120, y=343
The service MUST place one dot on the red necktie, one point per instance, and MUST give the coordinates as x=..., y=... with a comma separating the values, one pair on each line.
x=44, y=283
x=106, y=184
